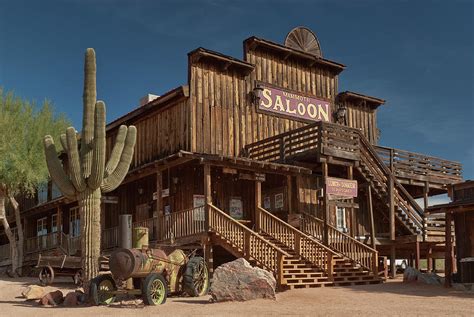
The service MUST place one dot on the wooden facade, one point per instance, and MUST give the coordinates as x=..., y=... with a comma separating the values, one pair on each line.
x=211, y=169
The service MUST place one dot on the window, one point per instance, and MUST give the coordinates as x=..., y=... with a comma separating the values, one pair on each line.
x=74, y=222
x=42, y=231
x=341, y=219
x=42, y=193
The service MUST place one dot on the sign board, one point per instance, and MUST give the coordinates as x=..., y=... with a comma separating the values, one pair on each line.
x=296, y=105
x=260, y=177
x=165, y=192
x=279, y=203
x=236, y=210
x=341, y=187
x=199, y=201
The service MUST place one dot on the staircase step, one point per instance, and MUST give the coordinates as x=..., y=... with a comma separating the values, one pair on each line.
x=310, y=285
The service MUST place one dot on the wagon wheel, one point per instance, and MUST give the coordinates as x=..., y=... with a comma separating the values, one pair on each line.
x=78, y=278
x=101, y=289
x=196, y=277
x=154, y=289
x=46, y=275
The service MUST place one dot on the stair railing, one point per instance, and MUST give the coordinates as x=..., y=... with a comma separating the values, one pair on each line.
x=247, y=242
x=402, y=198
x=304, y=245
x=343, y=243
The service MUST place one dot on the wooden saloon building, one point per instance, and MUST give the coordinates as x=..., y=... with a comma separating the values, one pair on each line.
x=264, y=158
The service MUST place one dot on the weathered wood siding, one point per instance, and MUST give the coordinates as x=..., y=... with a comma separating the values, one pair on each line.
x=159, y=133
x=223, y=117
x=362, y=117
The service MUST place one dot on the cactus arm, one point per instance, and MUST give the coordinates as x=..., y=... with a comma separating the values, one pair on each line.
x=63, y=141
x=74, y=162
x=116, y=151
x=113, y=180
x=56, y=170
x=98, y=158
x=89, y=100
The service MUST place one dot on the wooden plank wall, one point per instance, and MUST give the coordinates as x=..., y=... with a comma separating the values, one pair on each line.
x=362, y=117
x=223, y=118
x=159, y=134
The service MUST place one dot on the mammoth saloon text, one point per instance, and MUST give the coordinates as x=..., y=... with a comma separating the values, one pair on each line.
x=286, y=103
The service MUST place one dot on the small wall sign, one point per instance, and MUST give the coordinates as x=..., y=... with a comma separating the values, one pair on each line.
x=340, y=187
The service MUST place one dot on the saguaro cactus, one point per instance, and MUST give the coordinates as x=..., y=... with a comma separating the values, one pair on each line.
x=88, y=175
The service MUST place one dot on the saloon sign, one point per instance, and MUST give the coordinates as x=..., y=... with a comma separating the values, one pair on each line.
x=341, y=187
x=286, y=103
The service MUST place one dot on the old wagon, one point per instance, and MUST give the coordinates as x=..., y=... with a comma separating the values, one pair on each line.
x=59, y=265
x=153, y=274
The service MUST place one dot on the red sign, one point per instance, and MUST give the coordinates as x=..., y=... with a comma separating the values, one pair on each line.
x=291, y=104
x=341, y=187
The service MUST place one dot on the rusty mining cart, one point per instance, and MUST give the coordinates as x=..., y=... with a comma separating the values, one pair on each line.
x=153, y=274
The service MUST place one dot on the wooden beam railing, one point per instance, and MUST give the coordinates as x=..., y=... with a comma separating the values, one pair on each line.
x=410, y=164
x=181, y=224
x=321, y=137
x=342, y=243
x=247, y=242
x=304, y=245
x=41, y=243
x=109, y=238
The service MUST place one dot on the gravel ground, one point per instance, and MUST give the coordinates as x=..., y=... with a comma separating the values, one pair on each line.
x=393, y=298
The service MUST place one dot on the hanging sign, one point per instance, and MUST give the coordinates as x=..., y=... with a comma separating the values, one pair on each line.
x=236, y=211
x=292, y=104
x=341, y=187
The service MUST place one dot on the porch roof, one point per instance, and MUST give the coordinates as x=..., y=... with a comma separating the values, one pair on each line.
x=458, y=206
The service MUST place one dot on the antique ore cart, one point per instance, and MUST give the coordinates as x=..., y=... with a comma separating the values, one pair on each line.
x=52, y=266
x=154, y=274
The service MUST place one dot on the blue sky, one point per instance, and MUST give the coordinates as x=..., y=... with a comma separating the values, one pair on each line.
x=418, y=55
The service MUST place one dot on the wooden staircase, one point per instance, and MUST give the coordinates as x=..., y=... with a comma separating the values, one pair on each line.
x=386, y=186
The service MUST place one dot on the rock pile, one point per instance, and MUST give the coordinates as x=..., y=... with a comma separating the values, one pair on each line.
x=413, y=275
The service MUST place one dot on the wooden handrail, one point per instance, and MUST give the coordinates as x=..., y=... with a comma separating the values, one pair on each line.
x=343, y=243
x=247, y=242
x=182, y=223
x=304, y=245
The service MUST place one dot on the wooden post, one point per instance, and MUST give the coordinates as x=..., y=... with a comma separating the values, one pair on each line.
x=429, y=259
x=258, y=204
x=209, y=256
x=426, y=190
x=330, y=268
x=289, y=194
x=207, y=194
x=417, y=255
x=350, y=175
x=393, y=268
x=371, y=216
x=326, y=204
x=448, y=261
x=392, y=209
x=159, y=206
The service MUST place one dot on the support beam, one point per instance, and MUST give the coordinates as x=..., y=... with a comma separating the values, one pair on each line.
x=207, y=194
x=159, y=205
x=289, y=193
x=326, y=204
x=426, y=191
x=429, y=259
x=350, y=175
x=448, y=260
x=392, y=208
x=371, y=216
x=393, y=268
x=258, y=203
x=417, y=255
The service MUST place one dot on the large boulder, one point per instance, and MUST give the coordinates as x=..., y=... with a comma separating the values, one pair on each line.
x=52, y=298
x=429, y=278
x=410, y=274
x=239, y=281
x=33, y=292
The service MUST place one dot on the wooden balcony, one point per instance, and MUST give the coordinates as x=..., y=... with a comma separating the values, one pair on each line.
x=321, y=140
x=416, y=169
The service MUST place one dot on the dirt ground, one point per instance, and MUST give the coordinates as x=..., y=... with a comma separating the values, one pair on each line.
x=393, y=298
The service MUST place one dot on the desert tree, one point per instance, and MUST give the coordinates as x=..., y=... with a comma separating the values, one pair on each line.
x=22, y=161
x=89, y=174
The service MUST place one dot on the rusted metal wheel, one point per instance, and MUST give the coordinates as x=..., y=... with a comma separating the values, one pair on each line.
x=101, y=290
x=154, y=289
x=46, y=275
x=196, y=277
